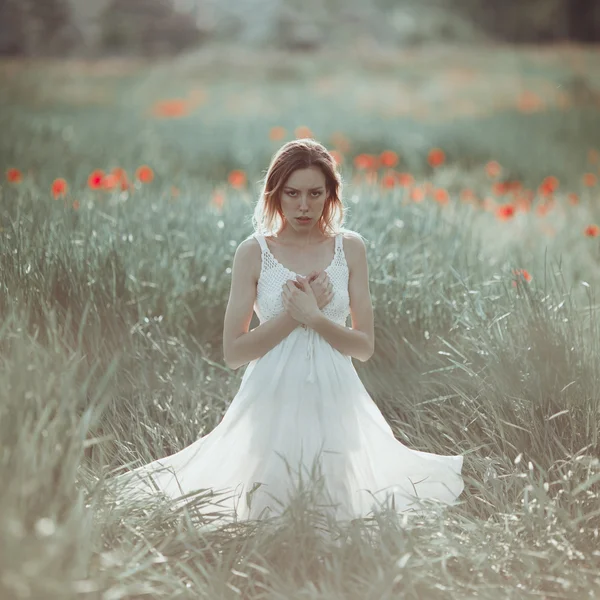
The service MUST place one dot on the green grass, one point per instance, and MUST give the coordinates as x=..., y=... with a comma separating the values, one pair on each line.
x=111, y=323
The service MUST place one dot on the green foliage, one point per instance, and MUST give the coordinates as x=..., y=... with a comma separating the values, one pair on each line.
x=146, y=27
x=111, y=319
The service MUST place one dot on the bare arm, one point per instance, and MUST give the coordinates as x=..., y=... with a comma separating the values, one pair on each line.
x=241, y=346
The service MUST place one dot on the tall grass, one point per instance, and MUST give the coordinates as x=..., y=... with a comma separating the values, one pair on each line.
x=110, y=349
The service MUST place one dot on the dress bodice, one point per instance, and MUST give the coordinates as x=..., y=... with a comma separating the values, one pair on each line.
x=273, y=275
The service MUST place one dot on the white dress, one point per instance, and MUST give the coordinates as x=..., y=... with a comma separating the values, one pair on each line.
x=302, y=400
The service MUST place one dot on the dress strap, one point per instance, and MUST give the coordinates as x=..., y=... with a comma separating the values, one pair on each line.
x=338, y=242
x=261, y=240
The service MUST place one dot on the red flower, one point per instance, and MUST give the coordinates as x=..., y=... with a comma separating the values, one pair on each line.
x=59, y=187
x=110, y=182
x=121, y=176
x=144, y=174
x=405, y=179
x=521, y=274
x=548, y=186
x=590, y=180
x=277, y=133
x=338, y=157
x=417, y=194
x=237, y=178
x=388, y=158
x=436, y=157
x=441, y=196
x=388, y=180
x=14, y=176
x=365, y=161
x=592, y=231
x=96, y=179
x=573, y=198
x=493, y=169
x=505, y=212
x=171, y=109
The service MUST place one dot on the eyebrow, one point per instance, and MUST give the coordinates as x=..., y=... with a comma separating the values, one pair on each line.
x=289, y=187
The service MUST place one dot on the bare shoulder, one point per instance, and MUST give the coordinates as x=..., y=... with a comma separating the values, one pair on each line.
x=355, y=248
x=248, y=256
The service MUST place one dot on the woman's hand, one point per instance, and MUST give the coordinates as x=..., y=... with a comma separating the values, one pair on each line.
x=299, y=300
x=321, y=287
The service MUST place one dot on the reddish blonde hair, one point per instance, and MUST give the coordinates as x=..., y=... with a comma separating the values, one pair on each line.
x=299, y=154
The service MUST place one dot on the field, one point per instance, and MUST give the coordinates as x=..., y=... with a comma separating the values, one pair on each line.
x=126, y=188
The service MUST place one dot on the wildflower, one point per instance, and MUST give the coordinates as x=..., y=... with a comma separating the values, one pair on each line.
x=14, y=176
x=388, y=158
x=521, y=274
x=505, y=212
x=338, y=157
x=441, y=196
x=170, y=109
x=590, y=179
x=493, y=169
x=144, y=174
x=436, y=157
x=388, y=180
x=365, y=161
x=405, y=179
x=59, y=187
x=592, y=231
x=237, y=178
x=277, y=133
x=96, y=179
x=302, y=132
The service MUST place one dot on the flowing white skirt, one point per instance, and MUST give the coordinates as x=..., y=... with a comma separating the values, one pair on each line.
x=281, y=427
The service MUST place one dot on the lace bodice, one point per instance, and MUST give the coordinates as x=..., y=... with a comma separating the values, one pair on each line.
x=273, y=275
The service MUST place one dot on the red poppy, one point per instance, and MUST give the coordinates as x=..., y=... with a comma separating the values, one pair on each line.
x=436, y=157
x=171, y=109
x=573, y=198
x=277, y=133
x=121, y=176
x=59, y=187
x=441, y=196
x=590, y=180
x=417, y=194
x=388, y=158
x=593, y=156
x=144, y=174
x=110, y=182
x=592, y=231
x=505, y=212
x=493, y=169
x=338, y=157
x=303, y=132
x=218, y=199
x=388, y=180
x=405, y=179
x=365, y=161
x=14, y=176
x=522, y=274
x=548, y=186
x=237, y=178
x=500, y=188
x=96, y=179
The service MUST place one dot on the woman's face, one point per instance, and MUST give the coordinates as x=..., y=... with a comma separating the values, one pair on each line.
x=304, y=194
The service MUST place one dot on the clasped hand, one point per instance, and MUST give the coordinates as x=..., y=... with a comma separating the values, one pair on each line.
x=304, y=299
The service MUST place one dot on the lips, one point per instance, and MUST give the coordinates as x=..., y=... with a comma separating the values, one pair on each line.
x=303, y=218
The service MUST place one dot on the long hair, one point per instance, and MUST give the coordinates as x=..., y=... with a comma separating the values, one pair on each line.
x=268, y=218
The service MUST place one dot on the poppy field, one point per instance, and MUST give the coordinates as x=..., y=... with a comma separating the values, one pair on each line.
x=125, y=190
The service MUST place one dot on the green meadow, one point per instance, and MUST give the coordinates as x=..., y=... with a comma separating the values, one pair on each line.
x=126, y=188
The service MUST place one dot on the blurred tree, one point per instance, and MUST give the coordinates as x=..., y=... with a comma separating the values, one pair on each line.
x=583, y=17
x=34, y=27
x=147, y=27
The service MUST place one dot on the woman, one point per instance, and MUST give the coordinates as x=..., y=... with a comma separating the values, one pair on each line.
x=301, y=412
